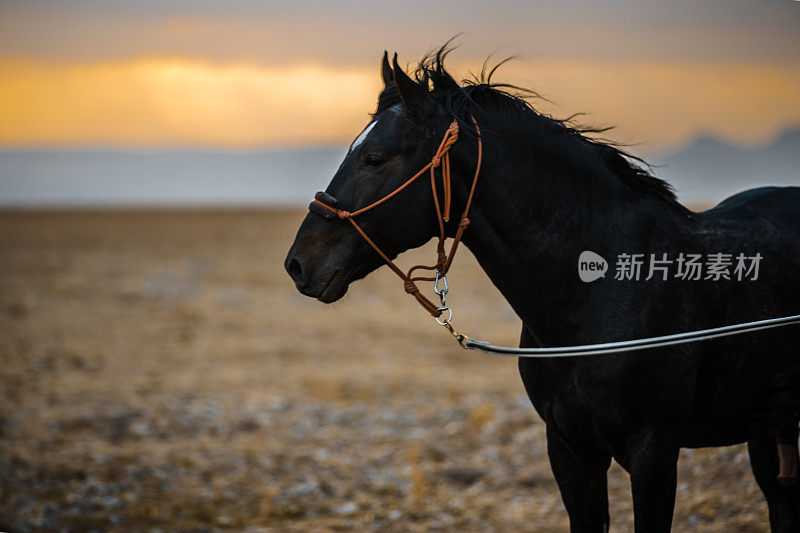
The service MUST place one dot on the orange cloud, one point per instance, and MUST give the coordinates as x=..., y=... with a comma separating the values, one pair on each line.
x=163, y=102
x=157, y=102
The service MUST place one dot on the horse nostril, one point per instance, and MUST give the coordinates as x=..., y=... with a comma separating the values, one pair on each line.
x=295, y=270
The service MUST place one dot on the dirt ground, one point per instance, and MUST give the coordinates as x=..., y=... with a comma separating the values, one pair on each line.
x=160, y=372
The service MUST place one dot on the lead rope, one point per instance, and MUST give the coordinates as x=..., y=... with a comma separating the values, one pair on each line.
x=326, y=205
x=627, y=346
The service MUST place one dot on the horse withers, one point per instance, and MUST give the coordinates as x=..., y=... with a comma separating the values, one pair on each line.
x=548, y=192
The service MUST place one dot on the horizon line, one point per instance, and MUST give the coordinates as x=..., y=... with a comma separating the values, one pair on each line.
x=330, y=147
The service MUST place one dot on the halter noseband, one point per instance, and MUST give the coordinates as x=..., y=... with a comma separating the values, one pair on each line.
x=328, y=207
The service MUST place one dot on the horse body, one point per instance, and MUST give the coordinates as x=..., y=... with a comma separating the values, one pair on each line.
x=640, y=408
x=546, y=194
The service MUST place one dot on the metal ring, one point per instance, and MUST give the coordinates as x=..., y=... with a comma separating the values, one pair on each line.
x=449, y=317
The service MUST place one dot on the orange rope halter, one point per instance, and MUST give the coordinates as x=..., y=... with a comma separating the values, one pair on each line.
x=440, y=159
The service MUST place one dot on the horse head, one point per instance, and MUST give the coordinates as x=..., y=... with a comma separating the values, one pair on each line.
x=401, y=138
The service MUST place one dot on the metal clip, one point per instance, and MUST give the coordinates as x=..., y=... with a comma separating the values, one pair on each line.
x=446, y=322
x=442, y=293
x=460, y=337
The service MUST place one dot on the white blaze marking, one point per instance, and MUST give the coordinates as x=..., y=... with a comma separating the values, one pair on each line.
x=360, y=138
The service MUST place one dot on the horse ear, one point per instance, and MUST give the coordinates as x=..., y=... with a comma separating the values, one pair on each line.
x=386, y=70
x=416, y=100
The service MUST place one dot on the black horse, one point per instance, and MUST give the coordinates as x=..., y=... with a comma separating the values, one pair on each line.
x=546, y=193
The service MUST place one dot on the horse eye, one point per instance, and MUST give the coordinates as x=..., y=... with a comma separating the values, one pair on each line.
x=373, y=161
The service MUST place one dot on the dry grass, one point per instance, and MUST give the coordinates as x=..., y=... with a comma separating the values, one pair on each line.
x=159, y=371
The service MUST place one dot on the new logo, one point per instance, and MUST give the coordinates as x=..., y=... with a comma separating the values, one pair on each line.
x=591, y=266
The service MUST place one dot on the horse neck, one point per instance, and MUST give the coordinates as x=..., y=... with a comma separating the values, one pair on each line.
x=537, y=207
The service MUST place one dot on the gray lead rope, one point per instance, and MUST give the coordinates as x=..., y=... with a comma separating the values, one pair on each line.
x=605, y=347
x=626, y=346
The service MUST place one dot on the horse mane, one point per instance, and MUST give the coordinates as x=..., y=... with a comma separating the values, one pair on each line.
x=482, y=95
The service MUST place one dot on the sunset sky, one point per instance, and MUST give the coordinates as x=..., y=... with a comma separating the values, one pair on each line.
x=250, y=75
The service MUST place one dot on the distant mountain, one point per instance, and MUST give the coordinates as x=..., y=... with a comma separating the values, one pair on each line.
x=709, y=170
x=706, y=171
